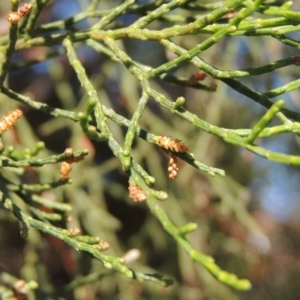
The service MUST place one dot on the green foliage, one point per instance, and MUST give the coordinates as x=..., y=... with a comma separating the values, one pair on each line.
x=144, y=108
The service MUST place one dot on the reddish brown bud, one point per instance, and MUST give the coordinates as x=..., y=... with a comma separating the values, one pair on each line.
x=296, y=60
x=74, y=159
x=197, y=77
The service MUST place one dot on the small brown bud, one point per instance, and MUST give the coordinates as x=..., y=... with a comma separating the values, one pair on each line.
x=230, y=16
x=13, y=17
x=69, y=219
x=136, y=193
x=103, y=245
x=172, y=167
x=74, y=232
x=68, y=152
x=19, y=284
x=65, y=169
x=25, y=9
x=10, y=120
x=199, y=76
x=174, y=145
x=296, y=60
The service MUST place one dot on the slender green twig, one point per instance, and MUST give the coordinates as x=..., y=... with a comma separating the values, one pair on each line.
x=43, y=107
x=206, y=261
x=92, y=93
x=210, y=41
x=46, y=216
x=132, y=128
x=13, y=36
x=70, y=22
x=40, y=187
x=109, y=262
x=107, y=19
x=39, y=162
x=264, y=121
x=36, y=11
x=159, y=11
x=236, y=85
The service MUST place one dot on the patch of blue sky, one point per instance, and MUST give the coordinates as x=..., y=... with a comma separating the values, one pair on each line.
x=42, y=67
x=278, y=187
x=280, y=194
x=65, y=9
